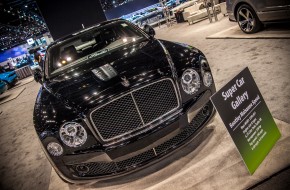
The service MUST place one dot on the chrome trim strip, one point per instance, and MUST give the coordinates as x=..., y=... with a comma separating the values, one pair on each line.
x=148, y=128
x=90, y=127
x=172, y=66
x=275, y=7
x=137, y=108
x=155, y=152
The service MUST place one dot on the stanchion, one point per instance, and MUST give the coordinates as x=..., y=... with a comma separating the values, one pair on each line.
x=210, y=4
x=166, y=12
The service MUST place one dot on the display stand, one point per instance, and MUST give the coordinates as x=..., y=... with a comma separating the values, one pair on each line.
x=166, y=13
x=24, y=72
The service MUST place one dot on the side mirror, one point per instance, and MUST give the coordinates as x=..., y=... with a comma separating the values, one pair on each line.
x=149, y=30
x=38, y=76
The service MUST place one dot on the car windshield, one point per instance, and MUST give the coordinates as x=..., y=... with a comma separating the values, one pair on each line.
x=90, y=45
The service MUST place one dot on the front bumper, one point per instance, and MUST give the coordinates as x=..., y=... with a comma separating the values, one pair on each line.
x=101, y=165
x=12, y=80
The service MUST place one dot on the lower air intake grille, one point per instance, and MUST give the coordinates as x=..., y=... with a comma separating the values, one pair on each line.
x=126, y=164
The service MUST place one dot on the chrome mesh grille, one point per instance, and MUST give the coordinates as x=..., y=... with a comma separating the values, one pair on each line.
x=116, y=118
x=135, y=110
x=156, y=100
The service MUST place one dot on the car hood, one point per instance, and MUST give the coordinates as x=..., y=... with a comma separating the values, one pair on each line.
x=94, y=83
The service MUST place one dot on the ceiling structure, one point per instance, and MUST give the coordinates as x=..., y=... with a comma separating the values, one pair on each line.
x=19, y=21
x=110, y=4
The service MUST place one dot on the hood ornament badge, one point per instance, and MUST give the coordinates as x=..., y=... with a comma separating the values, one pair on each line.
x=125, y=82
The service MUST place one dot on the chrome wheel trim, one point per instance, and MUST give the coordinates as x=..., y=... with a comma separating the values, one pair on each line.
x=246, y=20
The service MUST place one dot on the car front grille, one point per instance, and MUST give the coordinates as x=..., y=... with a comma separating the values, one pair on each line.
x=135, y=110
x=107, y=168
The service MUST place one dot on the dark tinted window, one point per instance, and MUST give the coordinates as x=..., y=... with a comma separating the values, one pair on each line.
x=90, y=45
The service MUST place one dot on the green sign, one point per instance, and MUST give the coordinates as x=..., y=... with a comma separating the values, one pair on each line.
x=247, y=118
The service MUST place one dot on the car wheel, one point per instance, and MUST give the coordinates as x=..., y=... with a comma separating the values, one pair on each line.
x=8, y=85
x=248, y=20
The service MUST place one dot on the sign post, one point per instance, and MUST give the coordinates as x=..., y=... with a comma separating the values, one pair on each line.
x=247, y=118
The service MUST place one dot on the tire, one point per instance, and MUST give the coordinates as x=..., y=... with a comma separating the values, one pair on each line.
x=8, y=85
x=248, y=20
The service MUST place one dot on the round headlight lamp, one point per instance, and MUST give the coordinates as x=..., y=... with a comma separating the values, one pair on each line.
x=73, y=134
x=207, y=79
x=54, y=149
x=190, y=81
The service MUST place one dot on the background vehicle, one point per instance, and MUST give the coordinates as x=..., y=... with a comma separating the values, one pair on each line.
x=251, y=14
x=22, y=63
x=10, y=78
x=148, y=17
x=3, y=87
x=172, y=3
x=26, y=61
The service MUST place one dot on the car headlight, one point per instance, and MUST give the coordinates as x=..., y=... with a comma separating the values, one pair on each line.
x=207, y=79
x=54, y=149
x=206, y=75
x=190, y=81
x=73, y=134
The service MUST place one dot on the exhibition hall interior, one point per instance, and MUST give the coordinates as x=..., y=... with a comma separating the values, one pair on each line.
x=145, y=94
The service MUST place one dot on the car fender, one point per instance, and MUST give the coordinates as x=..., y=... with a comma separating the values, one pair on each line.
x=237, y=3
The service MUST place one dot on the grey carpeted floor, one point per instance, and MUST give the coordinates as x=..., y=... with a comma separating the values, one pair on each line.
x=268, y=59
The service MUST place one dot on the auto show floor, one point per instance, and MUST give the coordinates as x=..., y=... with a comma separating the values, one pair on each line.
x=209, y=162
x=203, y=164
x=273, y=31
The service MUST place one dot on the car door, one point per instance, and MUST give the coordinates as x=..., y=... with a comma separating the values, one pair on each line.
x=271, y=5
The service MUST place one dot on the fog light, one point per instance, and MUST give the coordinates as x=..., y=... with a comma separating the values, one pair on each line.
x=82, y=169
x=205, y=110
x=54, y=149
x=207, y=79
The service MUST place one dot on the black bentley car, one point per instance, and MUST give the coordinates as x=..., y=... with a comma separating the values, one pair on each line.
x=115, y=99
